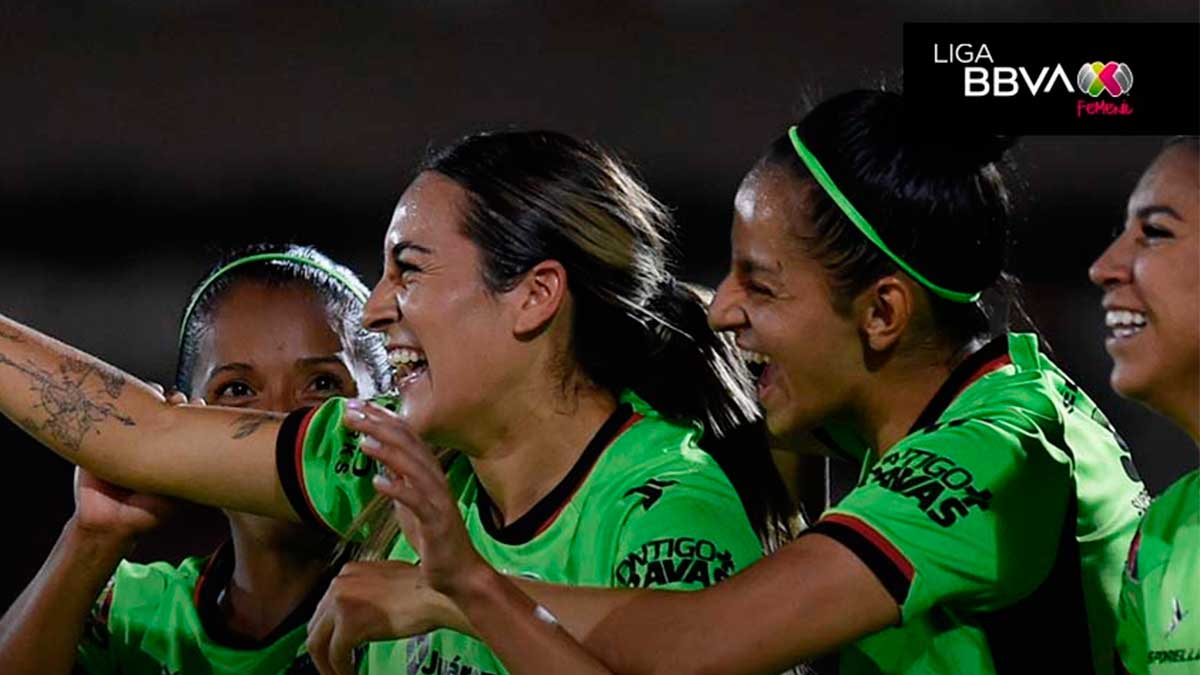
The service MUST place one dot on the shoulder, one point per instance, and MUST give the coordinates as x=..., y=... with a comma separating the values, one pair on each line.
x=1171, y=512
x=139, y=587
x=656, y=458
x=1026, y=407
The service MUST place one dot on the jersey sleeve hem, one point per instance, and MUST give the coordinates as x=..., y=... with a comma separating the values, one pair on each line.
x=289, y=462
x=885, y=561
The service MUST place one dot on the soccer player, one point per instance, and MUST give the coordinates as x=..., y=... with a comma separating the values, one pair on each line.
x=987, y=531
x=536, y=330
x=1152, y=312
x=271, y=327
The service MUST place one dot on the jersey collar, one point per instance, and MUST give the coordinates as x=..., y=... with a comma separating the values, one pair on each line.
x=213, y=581
x=992, y=356
x=543, y=513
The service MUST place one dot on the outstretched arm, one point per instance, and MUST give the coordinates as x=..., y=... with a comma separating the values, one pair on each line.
x=125, y=432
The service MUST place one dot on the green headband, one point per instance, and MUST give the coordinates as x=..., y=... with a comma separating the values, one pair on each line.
x=262, y=257
x=818, y=172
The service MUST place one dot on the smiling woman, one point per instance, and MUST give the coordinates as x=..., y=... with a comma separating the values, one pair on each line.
x=270, y=328
x=1151, y=284
x=995, y=501
x=537, y=329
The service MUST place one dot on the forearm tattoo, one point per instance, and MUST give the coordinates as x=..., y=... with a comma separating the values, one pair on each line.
x=247, y=424
x=72, y=399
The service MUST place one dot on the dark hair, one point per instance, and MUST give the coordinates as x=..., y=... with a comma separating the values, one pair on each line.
x=1190, y=142
x=343, y=300
x=940, y=205
x=541, y=195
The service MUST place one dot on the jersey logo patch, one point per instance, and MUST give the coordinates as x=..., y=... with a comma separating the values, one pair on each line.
x=422, y=658
x=651, y=491
x=674, y=560
x=943, y=490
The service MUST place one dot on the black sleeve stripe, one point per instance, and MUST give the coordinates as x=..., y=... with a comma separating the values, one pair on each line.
x=287, y=464
x=881, y=565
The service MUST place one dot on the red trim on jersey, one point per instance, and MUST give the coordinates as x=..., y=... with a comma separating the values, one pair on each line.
x=106, y=603
x=995, y=364
x=633, y=419
x=299, y=459
x=203, y=577
x=878, y=540
x=1131, y=562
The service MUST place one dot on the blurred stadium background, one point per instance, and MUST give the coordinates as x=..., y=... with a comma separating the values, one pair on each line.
x=139, y=139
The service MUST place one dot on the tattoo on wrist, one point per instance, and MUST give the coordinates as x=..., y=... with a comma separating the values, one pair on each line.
x=72, y=399
x=11, y=337
x=247, y=424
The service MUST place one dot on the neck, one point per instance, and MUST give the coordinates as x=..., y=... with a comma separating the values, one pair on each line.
x=898, y=394
x=544, y=436
x=276, y=565
x=1186, y=412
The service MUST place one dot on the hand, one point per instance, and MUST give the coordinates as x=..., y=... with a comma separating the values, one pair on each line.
x=421, y=499
x=106, y=510
x=370, y=601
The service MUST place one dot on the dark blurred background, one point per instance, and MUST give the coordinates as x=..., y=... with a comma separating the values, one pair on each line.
x=139, y=139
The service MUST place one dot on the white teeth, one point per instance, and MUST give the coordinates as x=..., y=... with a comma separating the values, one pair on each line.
x=755, y=357
x=405, y=356
x=1118, y=319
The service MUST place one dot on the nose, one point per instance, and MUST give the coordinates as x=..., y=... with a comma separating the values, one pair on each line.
x=279, y=399
x=381, y=309
x=725, y=312
x=1113, y=266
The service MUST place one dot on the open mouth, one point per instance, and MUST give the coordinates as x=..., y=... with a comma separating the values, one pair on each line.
x=756, y=363
x=408, y=363
x=1124, y=323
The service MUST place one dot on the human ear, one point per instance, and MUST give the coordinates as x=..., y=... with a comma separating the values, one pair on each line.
x=538, y=297
x=886, y=310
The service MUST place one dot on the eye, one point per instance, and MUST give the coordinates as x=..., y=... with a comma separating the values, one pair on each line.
x=234, y=389
x=407, y=269
x=756, y=288
x=325, y=385
x=1151, y=232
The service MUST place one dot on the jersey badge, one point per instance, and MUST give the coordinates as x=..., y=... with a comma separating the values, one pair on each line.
x=651, y=491
x=1178, y=614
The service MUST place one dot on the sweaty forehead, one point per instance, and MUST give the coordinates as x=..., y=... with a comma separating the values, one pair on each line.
x=1173, y=181
x=770, y=208
x=428, y=212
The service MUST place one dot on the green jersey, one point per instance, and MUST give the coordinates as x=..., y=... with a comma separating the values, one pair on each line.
x=1158, y=633
x=161, y=619
x=998, y=525
x=644, y=506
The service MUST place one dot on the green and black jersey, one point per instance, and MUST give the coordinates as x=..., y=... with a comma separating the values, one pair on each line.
x=644, y=506
x=1159, y=631
x=999, y=525
x=161, y=619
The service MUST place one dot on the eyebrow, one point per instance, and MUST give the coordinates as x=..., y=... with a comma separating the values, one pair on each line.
x=405, y=245
x=236, y=366
x=1155, y=209
x=746, y=265
x=320, y=361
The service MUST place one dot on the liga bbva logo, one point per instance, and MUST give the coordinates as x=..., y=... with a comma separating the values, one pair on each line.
x=1095, y=78
x=983, y=77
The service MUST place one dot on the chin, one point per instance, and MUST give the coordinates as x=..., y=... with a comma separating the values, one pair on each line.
x=781, y=424
x=1129, y=383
